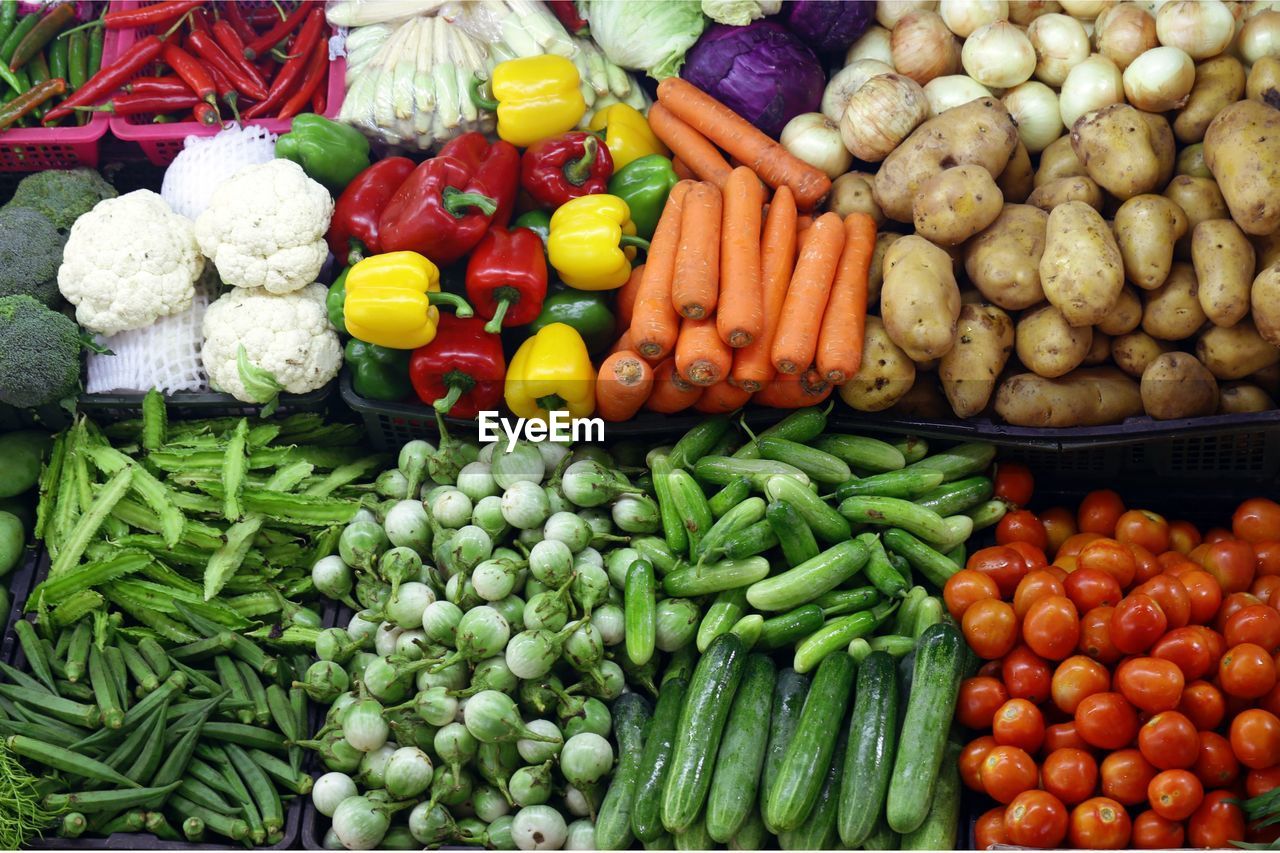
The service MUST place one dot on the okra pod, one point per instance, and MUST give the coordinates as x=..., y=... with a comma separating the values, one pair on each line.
x=257, y=693
x=94, y=802
x=34, y=651
x=75, y=713
x=137, y=666
x=78, y=651
x=67, y=761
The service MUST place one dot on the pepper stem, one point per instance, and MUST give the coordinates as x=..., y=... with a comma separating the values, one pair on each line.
x=478, y=99
x=460, y=306
x=577, y=171
x=633, y=240
x=551, y=402
x=456, y=202
x=355, y=252
x=494, y=326
x=450, y=399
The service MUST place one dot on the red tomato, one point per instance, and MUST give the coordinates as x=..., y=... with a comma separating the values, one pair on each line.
x=1145, y=528
x=1187, y=649
x=1268, y=554
x=1203, y=704
x=1257, y=624
x=1033, y=556
x=1137, y=623
x=1217, y=645
x=1152, y=832
x=1006, y=772
x=1217, y=534
x=1099, y=824
x=1259, y=782
x=1038, y=584
x=1019, y=723
x=1233, y=563
x=1021, y=525
x=990, y=628
x=1003, y=565
x=1183, y=536
x=1125, y=776
x=1099, y=512
x=1257, y=520
x=1060, y=525
x=1264, y=587
x=1169, y=741
x=1146, y=566
x=1095, y=635
x=1217, y=822
x=1204, y=594
x=1216, y=765
x=1074, y=679
x=1247, y=671
x=1233, y=604
x=979, y=699
x=1063, y=736
x=1069, y=774
x=965, y=588
x=1026, y=675
x=971, y=758
x=1175, y=794
x=1090, y=588
x=1052, y=627
x=1106, y=720
x=1110, y=556
x=1255, y=739
x=1151, y=684
x=1172, y=596
x=1076, y=543
x=988, y=831
x=1036, y=819
x=1014, y=483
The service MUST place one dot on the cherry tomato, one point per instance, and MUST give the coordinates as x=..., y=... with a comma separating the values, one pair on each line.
x=1125, y=775
x=1258, y=624
x=1203, y=704
x=979, y=699
x=1059, y=524
x=1145, y=528
x=1037, y=584
x=1231, y=605
x=1187, y=649
x=1112, y=557
x=990, y=628
x=1268, y=554
x=1183, y=536
x=1217, y=534
x=1259, y=782
x=966, y=587
x=1169, y=741
x=1090, y=588
x=1233, y=563
x=1172, y=596
x=1003, y=565
x=1175, y=794
x=1069, y=774
x=1271, y=702
x=988, y=831
x=1217, y=645
x=1095, y=635
x=1075, y=544
x=1063, y=736
x=1106, y=720
x=1019, y=723
x=1146, y=566
x=1264, y=587
x=1026, y=675
x=1099, y=824
x=1255, y=739
x=1152, y=832
x=1137, y=623
x=1014, y=483
x=1074, y=679
x=1216, y=765
x=1151, y=684
x=1052, y=627
x=991, y=669
x=1021, y=525
x=1247, y=671
x=1007, y=771
x=1257, y=520
x=1036, y=819
x=1204, y=594
x=971, y=758
x=1217, y=822
x=1099, y=512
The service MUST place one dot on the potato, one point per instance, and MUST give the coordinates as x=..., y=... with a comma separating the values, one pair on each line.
x=1003, y=261
x=1081, y=270
x=1268, y=379
x=875, y=275
x=1134, y=351
x=1267, y=249
x=1240, y=148
x=1147, y=227
x=1239, y=398
x=1050, y=346
x=1090, y=396
x=851, y=193
x=1099, y=351
x=1018, y=178
x=1224, y=259
x=1237, y=351
x=1163, y=144
x=969, y=372
x=920, y=302
x=1201, y=200
x=955, y=204
x=1219, y=82
x=924, y=400
x=1118, y=148
x=1266, y=303
x=1176, y=385
x=980, y=133
x=885, y=375
x=1058, y=161
x=1191, y=162
x=1263, y=84
x=1125, y=315
x=1172, y=311
x=1079, y=188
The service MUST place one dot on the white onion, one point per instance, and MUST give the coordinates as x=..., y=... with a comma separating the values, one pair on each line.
x=1124, y=32
x=874, y=44
x=815, y=139
x=999, y=55
x=1060, y=43
x=848, y=80
x=1085, y=10
x=881, y=114
x=1202, y=28
x=952, y=91
x=962, y=17
x=1159, y=80
x=1034, y=107
x=1091, y=85
x=923, y=47
x=889, y=12
x=1023, y=12
x=1260, y=36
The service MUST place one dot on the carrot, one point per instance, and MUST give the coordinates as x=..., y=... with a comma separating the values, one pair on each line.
x=622, y=386
x=740, y=316
x=701, y=356
x=843, y=324
x=721, y=399
x=695, y=152
x=797, y=335
x=695, y=286
x=775, y=165
x=621, y=344
x=794, y=391
x=682, y=171
x=625, y=300
x=654, y=321
x=803, y=222
x=753, y=364
x=671, y=392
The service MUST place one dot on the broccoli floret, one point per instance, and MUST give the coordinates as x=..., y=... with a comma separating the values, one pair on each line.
x=30, y=254
x=39, y=353
x=62, y=195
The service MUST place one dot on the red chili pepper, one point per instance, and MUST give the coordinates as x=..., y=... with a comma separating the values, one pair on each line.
x=277, y=33
x=236, y=19
x=157, y=86
x=233, y=46
x=207, y=49
x=319, y=100
x=311, y=80
x=226, y=91
x=149, y=16
x=199, y=20
x=137, y=103
x=286, y=81
x=264, y=16
x=30, y=99
x=192, y=72
x=206, y=113
x=566, y=12
x=110, y=78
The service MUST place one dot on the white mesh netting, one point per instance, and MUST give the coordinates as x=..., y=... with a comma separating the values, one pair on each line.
x=206, y=162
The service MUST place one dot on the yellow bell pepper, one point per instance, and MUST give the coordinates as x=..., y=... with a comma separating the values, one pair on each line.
x=535, y=97
x=592, y=242
x=391, y=300
x=627, y=134
x=551, y=372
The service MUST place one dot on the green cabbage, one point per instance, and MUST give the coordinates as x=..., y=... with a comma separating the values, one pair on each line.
x=739, y=13
x=646, y=35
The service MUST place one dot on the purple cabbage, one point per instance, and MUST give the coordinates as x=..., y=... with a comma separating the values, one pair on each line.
x=762, y=71
x=829, y=25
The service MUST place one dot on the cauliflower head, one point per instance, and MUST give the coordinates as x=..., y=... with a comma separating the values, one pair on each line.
x=129, y=261
x=265, y=227
x=257, y=343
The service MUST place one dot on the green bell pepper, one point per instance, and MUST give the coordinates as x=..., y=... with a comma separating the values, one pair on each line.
x=328, y=152
x=335, y=302
x=585, y=310
x=537, y=221
x=644, y=185
x=378, y=373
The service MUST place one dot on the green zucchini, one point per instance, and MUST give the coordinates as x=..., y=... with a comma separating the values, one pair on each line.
x=793, y=533
x=820, y=466
x=866, y=454
x=907, y=483
x=827, y=524
x=963, y=460
x=938, y=832
x=646, y=820
x=818, y=832
x=789, y=693
x=958, y=495
x=785, y=629
x=810, y=579
x=873, y=735
x=741, y=756
x=936, y=568
x=613, y=820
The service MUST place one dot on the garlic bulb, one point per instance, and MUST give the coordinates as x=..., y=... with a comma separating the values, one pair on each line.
x=874, y=44
x=1060, y=43
x=889, y=12
x=1085, y=10
x=846, y=81
x=881, y=114
x=1201, y=28
x=1035, y=110
x=1124, y=32
x=1159, y=80
x=952, y=91
x=962, y=17
x=999, y=55
x=1023, y=12
x=816, y=140
x=1260, y=36
x=1091, y=85
x=923, y=47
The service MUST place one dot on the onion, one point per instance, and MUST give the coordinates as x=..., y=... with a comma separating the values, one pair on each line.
x=539, y=828
x=330, y=790
x=815, y=139
x=1085, y=10
x=881, y=114
x=1201, y=28
x=923, y=47
x=962, y=17
x=874, y=44
x=845, y=82
x=952, y=91
x=999, y=55
x=1124, y=32
x=1035, y=110
x=1023, y=12
x=1060, y=43
x=889, y=12
x=1091, y=85
x=1159, y=80
x=1260, y=36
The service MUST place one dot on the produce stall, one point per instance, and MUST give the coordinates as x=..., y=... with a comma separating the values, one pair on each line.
x=690, y=425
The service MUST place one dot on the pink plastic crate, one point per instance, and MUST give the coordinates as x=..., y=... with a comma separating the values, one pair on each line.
x=162, y=142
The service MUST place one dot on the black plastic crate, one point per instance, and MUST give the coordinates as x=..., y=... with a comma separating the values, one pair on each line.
x=189, y=405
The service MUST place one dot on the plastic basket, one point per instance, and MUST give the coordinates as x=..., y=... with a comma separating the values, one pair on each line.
x=162, y=142
x=191, y=405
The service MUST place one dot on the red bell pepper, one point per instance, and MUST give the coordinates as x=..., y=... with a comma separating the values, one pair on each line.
x=566, y=167
x=461, y=372
x=566, y=12
x=353, y=231
x=445, y=207
x=507, y=278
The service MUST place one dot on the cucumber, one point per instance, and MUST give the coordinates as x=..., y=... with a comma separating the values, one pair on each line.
x=957, y=555
x=818, y=832
x=702, y=720
x=882, y=837
x=883, y=576
x=737, y=772
x=895, y=645
x=748, y=629
x=752, y=835
x=728, y=607
x=859, y=650
x=827, y=524
x=838, y=633
x=987, y=514
x=958, y=496
x=793, y=533
x=730, y=496
x=751, y=541
x=963, y=460
x=936, y=568
x=656, y=551
x=693, y=838
x=841, y=602
x=787, y=628
x=691, y=504
x=672, y=524
x=808, y=755
x=908, y=483
x=699, y=440
x=789, y=693
x=873, y=736
x=938, y=832
x=810, y=579
x=905, y=621
x=801, y=425
x=663, y=841
x=912, y=448
x=866, y=454
x=646, y=820
x=723, y=470
x=693, y=581
x=640, y=612
x=895, y=512
x=820, y=466
x=939, y=666
x=930, y=612
x=613, y=821
x=746, y=513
